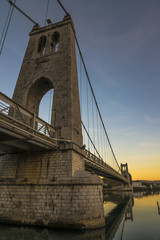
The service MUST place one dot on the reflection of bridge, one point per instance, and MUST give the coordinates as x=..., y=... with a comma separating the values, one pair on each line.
x=158, y=208
x=113, y=220
x=42, y=166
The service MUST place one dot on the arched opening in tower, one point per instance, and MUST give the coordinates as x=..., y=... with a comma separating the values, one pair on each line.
x=42, y=45
x=40, y=99
x=54, y=44
x=45, y=106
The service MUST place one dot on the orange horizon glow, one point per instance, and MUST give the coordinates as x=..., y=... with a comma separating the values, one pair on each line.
x=143, y=166
x=151, y=174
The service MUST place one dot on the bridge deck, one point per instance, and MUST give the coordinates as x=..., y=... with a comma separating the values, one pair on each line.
x=101, y=168
x=21, y=130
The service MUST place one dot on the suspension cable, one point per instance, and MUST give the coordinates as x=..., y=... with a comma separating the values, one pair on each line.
x=90, y=139
x=20, y=10
x=97, y=127
x=87, y=112
x=93, y=121
x=96, y=101
x=9, y=12
x=81, y=85
x=46, y=13
x=91, y=88
x=63, y=7
x=6, y=27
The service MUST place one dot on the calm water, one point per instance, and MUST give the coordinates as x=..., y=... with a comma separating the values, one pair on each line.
x=127, y=218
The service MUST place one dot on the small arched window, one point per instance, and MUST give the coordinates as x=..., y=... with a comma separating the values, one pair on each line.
x=55, y=42
x=42, y=44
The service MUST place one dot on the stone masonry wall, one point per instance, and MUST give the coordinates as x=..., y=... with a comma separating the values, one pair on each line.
x=58, y=205
x=49, y=188
x=34, y=167
x=39, y=167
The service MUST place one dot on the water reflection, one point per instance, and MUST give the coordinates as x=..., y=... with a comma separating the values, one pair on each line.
x=145, y=194
x=158, y=208
x=123, y=211
x=126, y=218
x=25, y=233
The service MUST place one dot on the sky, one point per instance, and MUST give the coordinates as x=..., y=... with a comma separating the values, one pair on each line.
x=120, y=44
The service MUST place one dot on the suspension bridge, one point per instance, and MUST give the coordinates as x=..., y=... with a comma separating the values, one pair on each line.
x=74, y=142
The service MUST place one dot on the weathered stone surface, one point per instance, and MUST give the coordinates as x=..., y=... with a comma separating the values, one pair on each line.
x=67, y=206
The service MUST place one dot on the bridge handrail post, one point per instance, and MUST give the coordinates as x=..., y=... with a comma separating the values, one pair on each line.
x=45, y=129
x=34, y=120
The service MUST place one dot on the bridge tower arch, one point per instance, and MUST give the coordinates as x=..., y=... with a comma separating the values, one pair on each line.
x=36, y=92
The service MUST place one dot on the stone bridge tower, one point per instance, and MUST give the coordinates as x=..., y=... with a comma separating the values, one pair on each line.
x=50, y=62
x=51, y=188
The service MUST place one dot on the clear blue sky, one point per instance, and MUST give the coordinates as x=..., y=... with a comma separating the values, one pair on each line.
x=120, y=41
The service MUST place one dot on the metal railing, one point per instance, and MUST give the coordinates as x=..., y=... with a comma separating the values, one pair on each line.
x=18, y=116
x=98, y=163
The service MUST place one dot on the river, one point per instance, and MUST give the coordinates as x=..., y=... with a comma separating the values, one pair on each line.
x=128, y=217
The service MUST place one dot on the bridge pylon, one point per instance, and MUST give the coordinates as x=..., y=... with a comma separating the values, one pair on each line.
x=127, y=175
x=50, y=188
